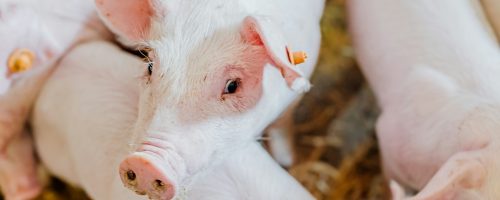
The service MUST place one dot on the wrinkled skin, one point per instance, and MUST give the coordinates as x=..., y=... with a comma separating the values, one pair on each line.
x=434, y=68
x=33, y=25
x=188, y=119
x=83, y=137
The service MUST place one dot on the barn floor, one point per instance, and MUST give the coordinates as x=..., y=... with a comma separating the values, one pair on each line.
x=336, y=147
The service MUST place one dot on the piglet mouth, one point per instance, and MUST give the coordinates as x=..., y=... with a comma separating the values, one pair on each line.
x=153, y=171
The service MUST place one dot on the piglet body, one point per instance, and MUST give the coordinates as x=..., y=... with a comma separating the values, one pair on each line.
x=83, y=124
x=434, y=68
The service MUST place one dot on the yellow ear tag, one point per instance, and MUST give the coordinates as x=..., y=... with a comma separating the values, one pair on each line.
x=20, y=60
x=297, y=57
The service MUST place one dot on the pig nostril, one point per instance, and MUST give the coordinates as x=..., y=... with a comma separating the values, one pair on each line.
x=140, y=174
x=158, y=185
x=131, y=175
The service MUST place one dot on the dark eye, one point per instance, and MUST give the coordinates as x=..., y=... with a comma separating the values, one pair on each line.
x=150, y=68
x=232, y=86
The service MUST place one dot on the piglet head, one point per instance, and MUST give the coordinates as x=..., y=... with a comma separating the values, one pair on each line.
x=212, y=83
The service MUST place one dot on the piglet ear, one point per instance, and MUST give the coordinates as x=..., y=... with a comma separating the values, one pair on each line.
x=260, y=30
x=131, y=19
x=456, y=179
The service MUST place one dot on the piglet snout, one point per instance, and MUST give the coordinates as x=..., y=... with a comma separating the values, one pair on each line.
x=147, y=174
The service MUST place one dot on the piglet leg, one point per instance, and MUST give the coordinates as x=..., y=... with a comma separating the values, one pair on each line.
x=281, y=134
x=17, y=103
x=18, y=177
x=464, y=170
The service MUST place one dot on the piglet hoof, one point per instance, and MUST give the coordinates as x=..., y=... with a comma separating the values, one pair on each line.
x=140, y=175
x=397, y=191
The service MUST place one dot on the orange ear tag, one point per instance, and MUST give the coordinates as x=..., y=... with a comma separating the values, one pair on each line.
x=20, y=60
x=297, y=57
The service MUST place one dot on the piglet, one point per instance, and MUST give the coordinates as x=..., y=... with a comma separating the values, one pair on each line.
x=83, y=137
x=219, y=73
x=435, y=70
x=219, y=51
x=33, y=34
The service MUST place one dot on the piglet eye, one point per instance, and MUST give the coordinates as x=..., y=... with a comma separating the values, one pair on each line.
x=232, y=86
x=150, y=68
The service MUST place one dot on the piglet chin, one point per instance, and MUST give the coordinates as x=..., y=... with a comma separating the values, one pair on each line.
x=152, y=172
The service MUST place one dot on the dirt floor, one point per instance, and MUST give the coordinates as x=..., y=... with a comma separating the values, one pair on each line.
x=336, y=147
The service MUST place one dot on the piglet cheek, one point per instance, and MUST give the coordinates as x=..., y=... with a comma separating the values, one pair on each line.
x=252, y=90
x=251, y=78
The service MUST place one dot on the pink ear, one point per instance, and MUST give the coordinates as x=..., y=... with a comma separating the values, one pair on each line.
x=258, y=30
x=463, y=171
x=128, y=18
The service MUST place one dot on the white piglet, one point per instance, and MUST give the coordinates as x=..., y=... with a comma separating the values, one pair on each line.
x=201, y=47
x=435, y=70
x=220, y=73
x=83, y=124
